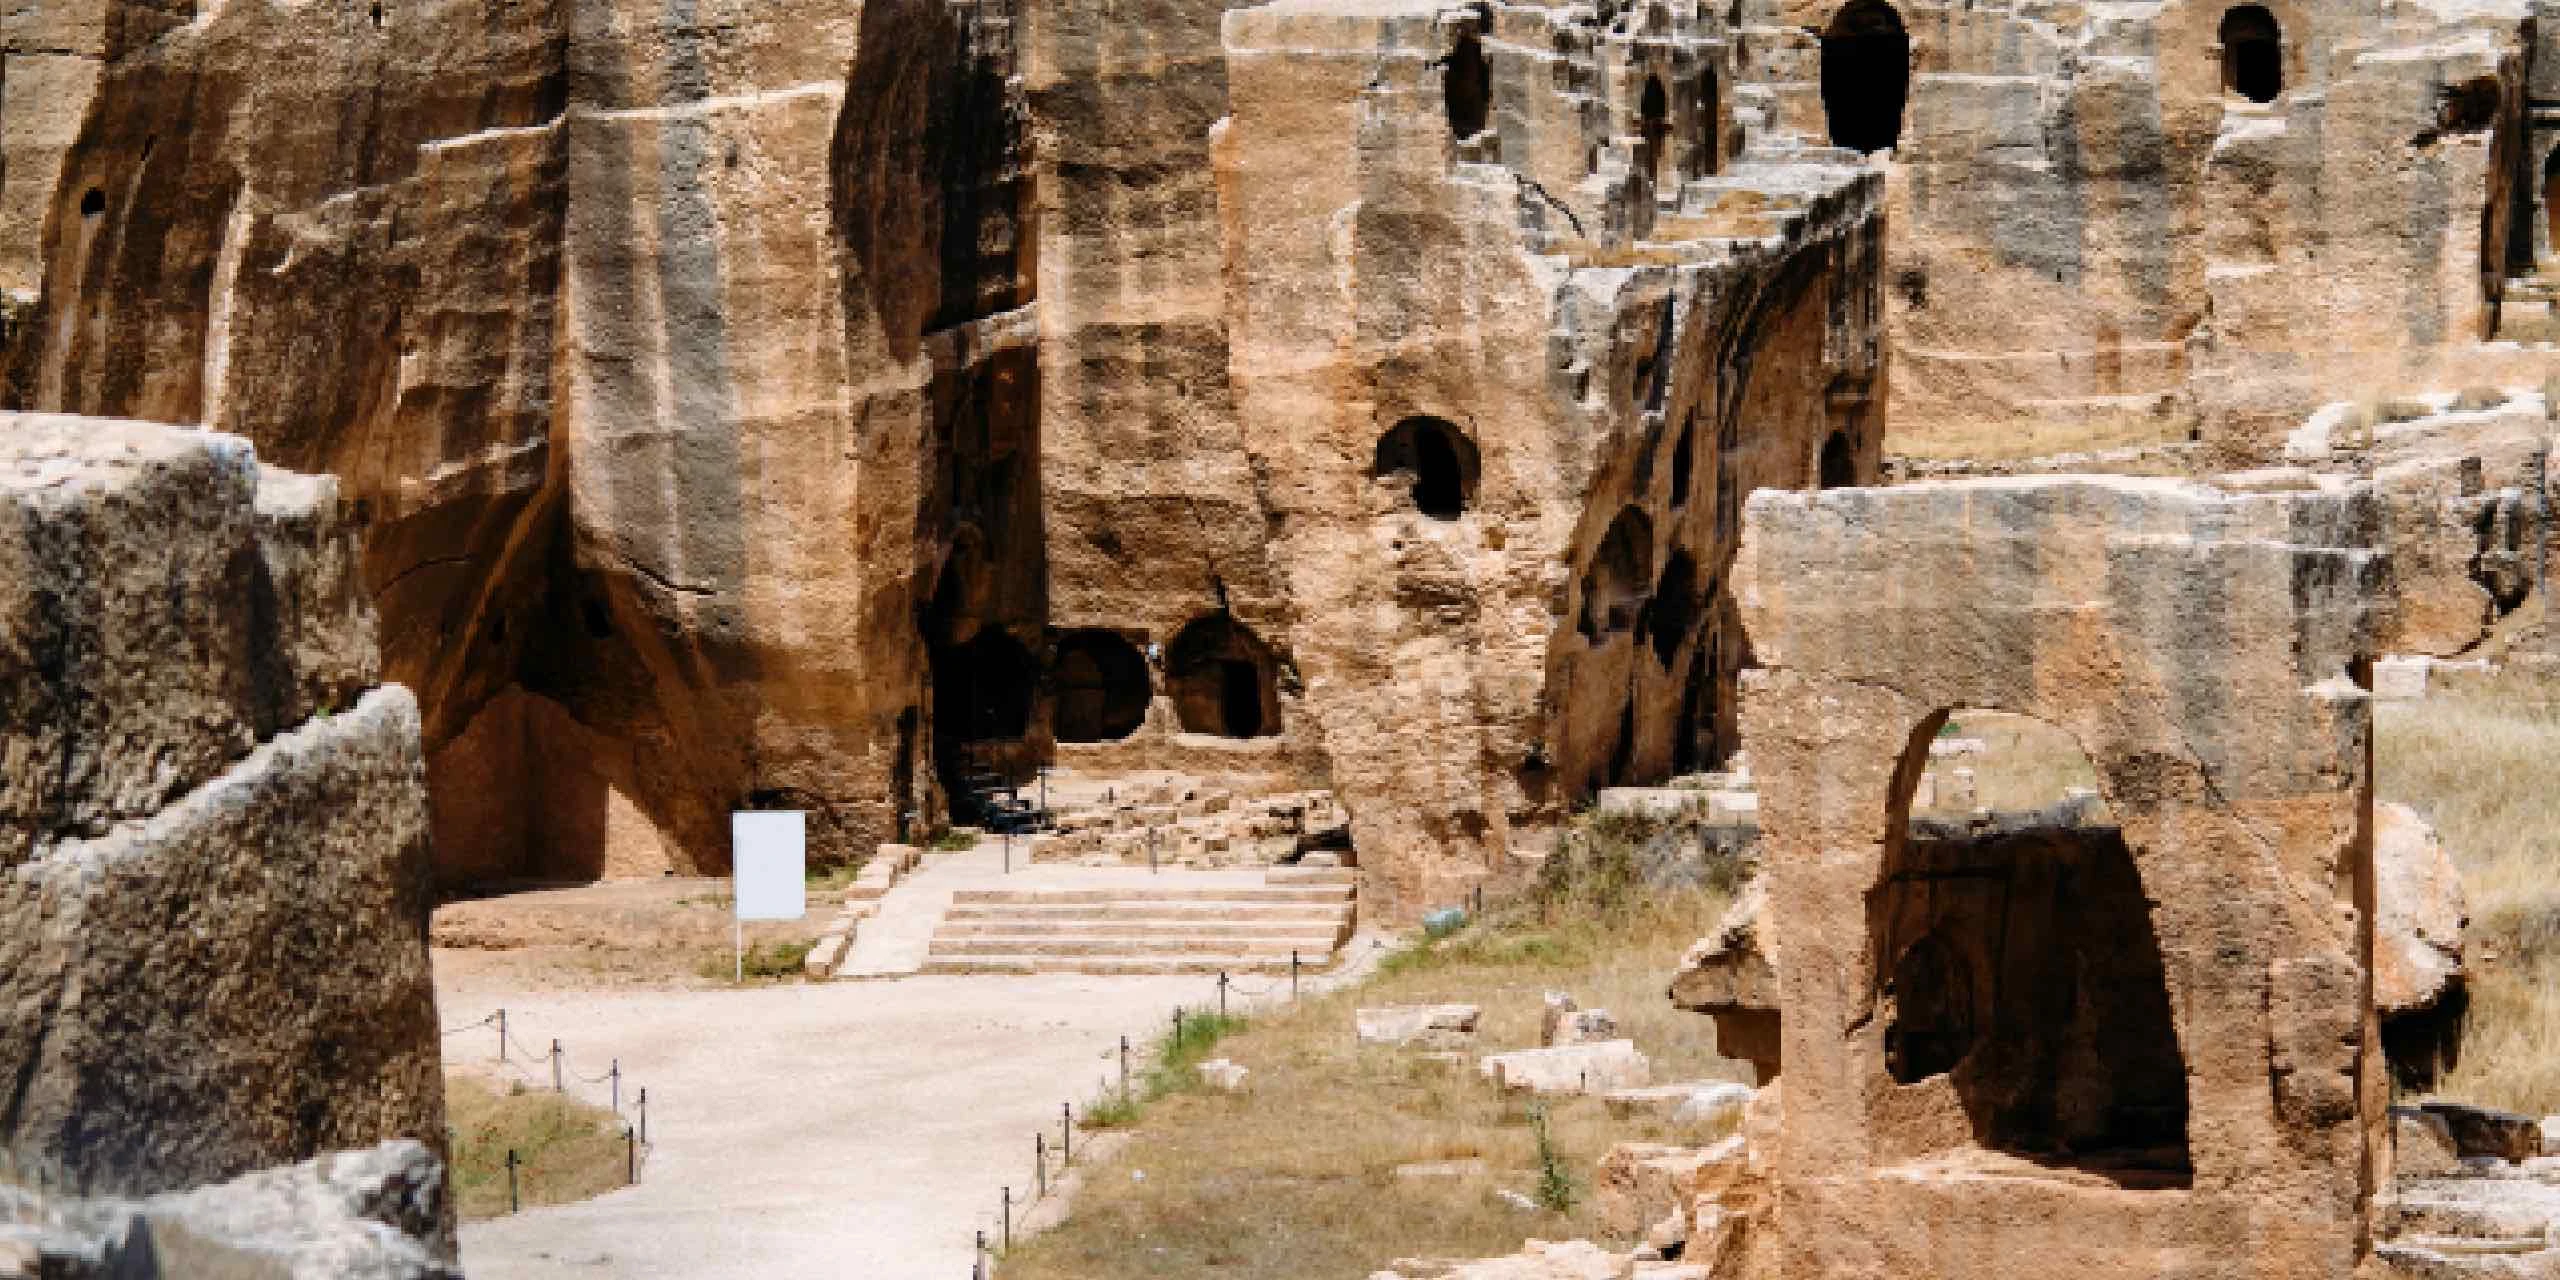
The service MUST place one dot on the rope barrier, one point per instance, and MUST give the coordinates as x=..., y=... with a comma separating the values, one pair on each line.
x=474, y=1026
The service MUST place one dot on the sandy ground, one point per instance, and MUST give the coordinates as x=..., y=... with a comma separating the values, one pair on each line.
x=856, y=1129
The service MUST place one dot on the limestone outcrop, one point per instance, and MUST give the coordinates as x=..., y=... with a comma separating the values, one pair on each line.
x=2120, y=1049
x=843, y=410
x=2135, y=221
x=215, y=887
x=373, y=1214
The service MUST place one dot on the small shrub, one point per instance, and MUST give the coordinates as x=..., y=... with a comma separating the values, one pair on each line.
x=947, y=841
x=2403, y=409
x=565, y=1149
x=1556, y=1189
x=2480, y=397
x=1111, y=1110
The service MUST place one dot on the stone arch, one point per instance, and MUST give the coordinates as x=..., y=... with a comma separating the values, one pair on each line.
x=1224, y=679
x=1866, y=76
x=1839, y=465
x=1619, y=574
x=1440, y=458
x=2016, y=964
x=1653, y=124
x=1466, y=88
x=2252, y=53
x=1101, y=687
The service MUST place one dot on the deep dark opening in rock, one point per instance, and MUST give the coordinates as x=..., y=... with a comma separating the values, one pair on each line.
x=2252, y=53
x=93, y=202
x=1223, y=679
x=1675, y=607
x=1102, y=687
x=1620, y=574
x=1839, y=468
x=1693, y=739
x=2020, y=963
x=1866, y=76
x=982, y=689
x=1654, y=124
x=2550, y=200
x=1709, y=151
x=1684, y=462
x=1466, y=88
x=1439, y=457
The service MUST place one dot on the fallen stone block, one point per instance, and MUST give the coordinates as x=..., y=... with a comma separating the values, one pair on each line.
x=1583, y=1026
x=1640, y=1182
x=1572, y=1068
x=1427, y=1169
x=820, y=964
x=1223, y=1075
x=2486, y=1131
x=2422, y=1145
x=1419, y=1026
x=1718, y=1107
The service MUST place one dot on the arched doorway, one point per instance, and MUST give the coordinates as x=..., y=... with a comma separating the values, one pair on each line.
x=2018, y=960
x=1839, y=467
x=1440, y=459
x=2252, y=53
x=1866, y=76
x=1224, y=679
x=1676, y=607
x=1620, y=574
x=1101, y=687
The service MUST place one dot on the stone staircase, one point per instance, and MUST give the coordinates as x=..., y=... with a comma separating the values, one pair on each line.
x=1169, y=928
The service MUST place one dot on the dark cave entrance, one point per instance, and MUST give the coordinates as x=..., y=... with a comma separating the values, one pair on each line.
x=1620, y=574
x=1866, y=76
x=1102, y=688
x=982, y=690
x=1839, y=469
x=2022, y=964
x=1440, y=459
x=1224, y=679
x=1466, y=88
x=1653, y=123
x=1709, y=151
x=2252, y=53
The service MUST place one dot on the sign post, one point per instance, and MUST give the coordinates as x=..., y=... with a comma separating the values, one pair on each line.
x=768, y=869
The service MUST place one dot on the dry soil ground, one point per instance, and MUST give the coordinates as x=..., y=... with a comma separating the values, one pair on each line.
x=840, y=1129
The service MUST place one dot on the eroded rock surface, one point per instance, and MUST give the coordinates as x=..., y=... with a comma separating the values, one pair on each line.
x=213, y=912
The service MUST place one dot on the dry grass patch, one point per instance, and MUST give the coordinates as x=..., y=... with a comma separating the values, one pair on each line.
x=1296, y=1177
x=2477, y=764
x=566, y=1150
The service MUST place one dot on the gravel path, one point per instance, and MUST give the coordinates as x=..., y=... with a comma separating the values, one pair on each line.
x=856, y=1129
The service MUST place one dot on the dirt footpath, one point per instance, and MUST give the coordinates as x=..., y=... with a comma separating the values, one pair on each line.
x=854, y=1129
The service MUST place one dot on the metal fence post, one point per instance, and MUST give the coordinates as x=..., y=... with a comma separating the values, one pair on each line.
x=616, y=1073
x=1293, y=973
x=555, y=1067
x=978, y=1259
x=644, y=1113
x=502, y=1035
x=514, y=1201
x=1066, y=1132
x=1124, y=1067
x=630, y=1157
x=1040, y=1165
x=1007, y=1213
x=1222, y=993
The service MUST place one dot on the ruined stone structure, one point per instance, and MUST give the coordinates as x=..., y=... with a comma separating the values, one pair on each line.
x=828, y=407
x=2141, y=1048
x=2209, y=215
x=214, y=875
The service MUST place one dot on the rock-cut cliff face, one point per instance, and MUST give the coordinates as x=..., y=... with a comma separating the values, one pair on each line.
x=824, y=406
x=214, y=873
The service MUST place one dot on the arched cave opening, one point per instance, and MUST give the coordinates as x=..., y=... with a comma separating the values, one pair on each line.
x=1466, y=88
x=1709, y=157
x=1653, y=123
x=1839, y=466
x=1676, y=607
x=1101, y=686
x=1618, y=577
x=1224, y=679
x=93, y=202
x=1439, y=457
x=2252, y=53
x=1693, y=736
x=2018, y=962
x=1866, y=76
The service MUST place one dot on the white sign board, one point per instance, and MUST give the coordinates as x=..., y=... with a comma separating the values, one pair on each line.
x=768, y=859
